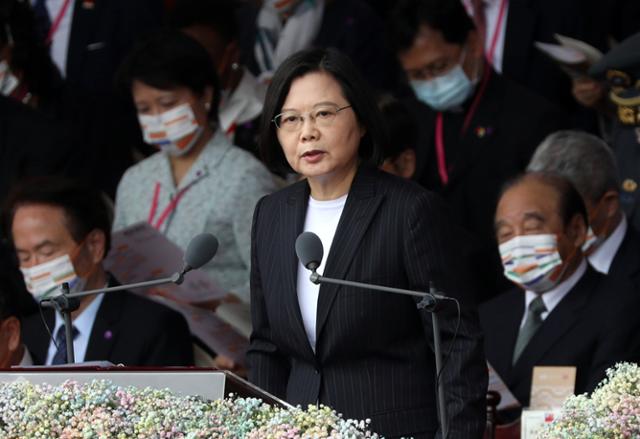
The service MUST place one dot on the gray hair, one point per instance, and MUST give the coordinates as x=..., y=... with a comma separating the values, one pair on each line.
x=582, y=158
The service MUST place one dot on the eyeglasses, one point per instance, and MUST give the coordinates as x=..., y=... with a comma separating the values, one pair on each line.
x=323, y=116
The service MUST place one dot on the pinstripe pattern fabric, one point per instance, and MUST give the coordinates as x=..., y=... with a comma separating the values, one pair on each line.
x=374, y=354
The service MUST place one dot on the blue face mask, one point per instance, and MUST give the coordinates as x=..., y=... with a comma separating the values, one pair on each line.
x=444, y=92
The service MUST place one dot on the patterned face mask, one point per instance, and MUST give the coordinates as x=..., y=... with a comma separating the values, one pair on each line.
x=175, y=131
x=532, y=261
x=44, y=279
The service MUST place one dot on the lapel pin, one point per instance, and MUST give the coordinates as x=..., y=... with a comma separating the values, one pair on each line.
x=88, y=4
x=629, y=185
x=108, y=335
x=483, y=131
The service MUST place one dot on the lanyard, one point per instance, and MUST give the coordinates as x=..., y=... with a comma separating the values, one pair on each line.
x=56, y=23
x=439, y=135
x=173, y=204
x=496, y=31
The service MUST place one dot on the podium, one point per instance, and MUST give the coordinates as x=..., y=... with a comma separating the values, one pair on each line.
x=208, y=383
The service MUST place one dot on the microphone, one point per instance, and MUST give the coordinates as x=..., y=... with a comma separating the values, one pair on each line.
x=201, y=249
x=309, y=251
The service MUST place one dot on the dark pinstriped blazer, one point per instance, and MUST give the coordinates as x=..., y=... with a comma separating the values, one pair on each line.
x=373, y=357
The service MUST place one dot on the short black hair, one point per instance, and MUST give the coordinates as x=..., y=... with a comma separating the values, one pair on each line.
x=219, y=16
x=8, y=300
x=446, y=16
x=85, y=208
x=353, y=86
x=571, y=202
x=401, y=127
x=169, y=59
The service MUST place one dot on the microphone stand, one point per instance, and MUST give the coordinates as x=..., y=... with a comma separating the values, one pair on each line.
x=66, y=303
x=429, y=302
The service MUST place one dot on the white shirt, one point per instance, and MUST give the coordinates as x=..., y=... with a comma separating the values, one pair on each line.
x=84, y=325
x=603, y=255
x=552, y=297
x=26, y=358
x=492, y=13
x=322, y=219
x=60, y=42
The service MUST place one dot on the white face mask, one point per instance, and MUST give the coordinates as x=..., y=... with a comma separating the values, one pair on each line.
x=175, y=131
x=44, y=280
x=8, y=82
x=532, y=261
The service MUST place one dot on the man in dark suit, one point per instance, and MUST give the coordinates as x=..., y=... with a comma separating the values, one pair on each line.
x=468, y=116
x=60, y=231
x=568, y=315
x=612, y=247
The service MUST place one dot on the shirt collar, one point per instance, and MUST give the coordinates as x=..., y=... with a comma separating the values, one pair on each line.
x=603, y=255
x=244, y=104
x=27, y=360
x=552, y=297
x=84, y=321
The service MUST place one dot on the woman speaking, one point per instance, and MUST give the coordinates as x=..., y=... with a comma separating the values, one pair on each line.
x=364, y=353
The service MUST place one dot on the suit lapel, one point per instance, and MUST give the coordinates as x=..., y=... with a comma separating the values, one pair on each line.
x=293, y=211
x=82, y=26
x=104, y=332
x=362, y=203
x=558, y=322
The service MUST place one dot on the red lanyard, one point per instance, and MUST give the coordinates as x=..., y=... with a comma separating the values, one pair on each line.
x=173, y=204
x=496, y=32
x=439, y=137
x=56, y=23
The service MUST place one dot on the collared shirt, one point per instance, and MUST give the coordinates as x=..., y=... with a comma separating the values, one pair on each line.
x=244, y=105
x=60, y=42
x=84, y=324
x=224, y=185
x=603, y=255
x=553, y=297
x=492, y=12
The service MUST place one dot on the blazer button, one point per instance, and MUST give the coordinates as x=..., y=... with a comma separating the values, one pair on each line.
x=317, y=371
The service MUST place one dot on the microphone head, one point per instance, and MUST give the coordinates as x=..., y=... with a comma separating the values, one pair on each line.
x=309, y=250
x=201, y=249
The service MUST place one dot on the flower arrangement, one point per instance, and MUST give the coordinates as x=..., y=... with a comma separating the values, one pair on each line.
x=100, y=409
x=612, y=411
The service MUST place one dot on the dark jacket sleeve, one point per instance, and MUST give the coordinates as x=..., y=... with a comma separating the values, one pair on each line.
x=268, y=368
x=431, y=240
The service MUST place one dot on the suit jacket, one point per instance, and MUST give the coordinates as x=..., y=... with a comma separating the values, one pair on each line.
x=626, y=146
x=626, y=262
x=373, y=357
x=128, y=329
x=529, y=21
x=591, y=328
x=505, y=129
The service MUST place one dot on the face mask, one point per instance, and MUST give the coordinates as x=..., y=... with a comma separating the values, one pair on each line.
x=444, y=92
x=175, y=131
x=44, y=279
x=8, y=82
x=532, y=261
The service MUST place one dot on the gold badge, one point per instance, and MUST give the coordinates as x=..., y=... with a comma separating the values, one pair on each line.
x=629, y=185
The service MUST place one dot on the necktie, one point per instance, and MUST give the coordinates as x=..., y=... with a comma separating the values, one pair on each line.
x=60, y=356
x=43, y=19
x=531, y=325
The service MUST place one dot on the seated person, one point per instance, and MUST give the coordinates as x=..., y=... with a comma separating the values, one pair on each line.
x=12, y=350
x=60, y=231
x=213, y=24
x=399, y=153
x=612, y=247
x=561, y=313
x=468, y=116
x=197, y=181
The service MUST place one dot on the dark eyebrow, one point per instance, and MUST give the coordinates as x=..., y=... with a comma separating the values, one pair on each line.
x=314, y=106
x=39, y=246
